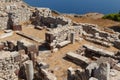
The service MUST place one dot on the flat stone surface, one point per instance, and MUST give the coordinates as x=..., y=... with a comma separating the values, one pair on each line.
x=78, y=57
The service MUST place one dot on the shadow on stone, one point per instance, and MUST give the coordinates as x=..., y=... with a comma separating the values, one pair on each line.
x=82, y=65
x=9, y=22
x=115, y=28
x=43, y=47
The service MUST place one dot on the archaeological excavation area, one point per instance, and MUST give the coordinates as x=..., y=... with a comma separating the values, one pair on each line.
x=48, y=47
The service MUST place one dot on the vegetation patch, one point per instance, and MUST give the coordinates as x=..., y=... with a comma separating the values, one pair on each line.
x=113, y=16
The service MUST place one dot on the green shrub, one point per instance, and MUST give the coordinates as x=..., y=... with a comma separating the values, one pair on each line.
x=115, y=16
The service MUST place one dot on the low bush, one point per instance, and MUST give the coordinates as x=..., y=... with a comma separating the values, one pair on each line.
x=114, y=16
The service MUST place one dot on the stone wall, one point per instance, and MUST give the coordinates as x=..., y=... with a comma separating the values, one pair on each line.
x=44, y=17
x=21, y=12
x=58, y=35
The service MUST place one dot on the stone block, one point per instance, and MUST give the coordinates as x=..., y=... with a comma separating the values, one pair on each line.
x=103, y=70
x=6, y=35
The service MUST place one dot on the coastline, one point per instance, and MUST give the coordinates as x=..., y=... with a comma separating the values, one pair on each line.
x=72, y=14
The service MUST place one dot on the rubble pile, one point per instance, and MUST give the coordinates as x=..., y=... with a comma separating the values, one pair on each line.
x=9, y=63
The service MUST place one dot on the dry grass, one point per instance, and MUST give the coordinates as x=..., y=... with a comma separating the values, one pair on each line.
x=99, y=21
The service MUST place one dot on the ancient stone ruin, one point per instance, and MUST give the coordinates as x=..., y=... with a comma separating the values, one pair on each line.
x=61, y=36
x=102, y=68
x=45, y=54
x=46, y=19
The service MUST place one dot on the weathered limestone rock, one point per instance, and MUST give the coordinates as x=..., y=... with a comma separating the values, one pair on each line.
x=9, y=62
x=43, y=12
x=91, y=67
x=11, y=46
x=111, y=61
x=55, y=50
x=71, y=74
x=28, y=47
x=104, y=71
x=117, y=66
x=6, y=35
x=42, y=65
x=77, y=74
x=61, y=44
x=7, y=31
x=46, y=75
x=92, y=78
x=117, y=43
x=113, y=72
x=78, y=58
x=99, y=51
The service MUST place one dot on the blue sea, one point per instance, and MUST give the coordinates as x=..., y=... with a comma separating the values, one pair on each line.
x=78, y=6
